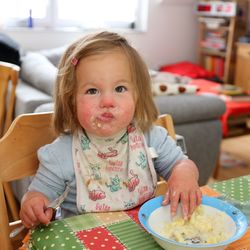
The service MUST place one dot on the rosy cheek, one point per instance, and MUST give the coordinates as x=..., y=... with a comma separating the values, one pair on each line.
x=129, y=112
x=84, y=115
x=129, y=118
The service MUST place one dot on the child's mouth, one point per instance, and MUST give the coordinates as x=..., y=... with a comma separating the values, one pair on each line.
x=105, y=117
x=98, y=121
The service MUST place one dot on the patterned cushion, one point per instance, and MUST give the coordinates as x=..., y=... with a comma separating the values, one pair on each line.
x=162, y=88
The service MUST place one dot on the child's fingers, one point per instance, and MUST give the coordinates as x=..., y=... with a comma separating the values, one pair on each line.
x=192, y=202
x=198, y=197
x=40, y=215
x=32, y=218
x=26, y=221
x=49, y=213
x=174, y=200
x=166, y=198
x=28, y=217
x=185, y=205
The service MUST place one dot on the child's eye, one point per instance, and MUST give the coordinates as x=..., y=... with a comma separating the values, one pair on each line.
x=120, y=89
x=92, y=91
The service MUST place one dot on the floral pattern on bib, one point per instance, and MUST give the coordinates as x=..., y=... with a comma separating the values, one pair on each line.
x=114, y=173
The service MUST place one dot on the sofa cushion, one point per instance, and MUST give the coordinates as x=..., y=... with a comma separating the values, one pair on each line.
x=190, y=108
x=54, y=55
x=46, y=107
x=163, y=88
x=29, y=98
x=39, y=72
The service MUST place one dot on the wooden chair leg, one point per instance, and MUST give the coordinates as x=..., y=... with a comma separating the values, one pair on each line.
x=11, y=201
x=161, y=188
x=217, y=168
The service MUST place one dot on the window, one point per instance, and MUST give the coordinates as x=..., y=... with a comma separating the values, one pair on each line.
x=82, y=14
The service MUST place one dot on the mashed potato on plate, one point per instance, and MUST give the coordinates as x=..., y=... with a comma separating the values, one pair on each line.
x=202, y=228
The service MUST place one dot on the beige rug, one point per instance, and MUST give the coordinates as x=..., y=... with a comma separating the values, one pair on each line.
x=237, y=147
x=236, y=153
x=229, y=160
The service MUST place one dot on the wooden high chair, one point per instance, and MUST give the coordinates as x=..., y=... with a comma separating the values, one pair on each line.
x=8, y=80
x=165, y=121
x=18, y=159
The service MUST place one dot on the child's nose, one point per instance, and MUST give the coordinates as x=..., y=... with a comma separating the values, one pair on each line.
x=107, y=101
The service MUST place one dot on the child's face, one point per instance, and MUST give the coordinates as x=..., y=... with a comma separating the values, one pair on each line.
x=105, y=95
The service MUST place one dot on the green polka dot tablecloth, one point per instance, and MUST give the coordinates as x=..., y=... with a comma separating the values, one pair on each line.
x=117, y=230
x=235, y=191
x=122, y=230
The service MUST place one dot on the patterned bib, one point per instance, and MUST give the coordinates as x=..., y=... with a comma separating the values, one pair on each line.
x=112, y=173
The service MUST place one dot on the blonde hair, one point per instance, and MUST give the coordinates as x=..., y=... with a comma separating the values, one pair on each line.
x=65, y=115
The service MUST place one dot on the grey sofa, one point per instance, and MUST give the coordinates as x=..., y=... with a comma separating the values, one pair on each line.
x=196, y=117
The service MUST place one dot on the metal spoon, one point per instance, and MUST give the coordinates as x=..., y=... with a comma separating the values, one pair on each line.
x=53, y=204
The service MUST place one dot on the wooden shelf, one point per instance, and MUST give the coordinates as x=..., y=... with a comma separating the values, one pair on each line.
x=212, y=52
x=221, y=29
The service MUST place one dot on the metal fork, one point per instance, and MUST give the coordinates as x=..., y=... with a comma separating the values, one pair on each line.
x=53, y=204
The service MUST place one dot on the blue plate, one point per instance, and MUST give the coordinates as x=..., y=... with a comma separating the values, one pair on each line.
x=236, y=215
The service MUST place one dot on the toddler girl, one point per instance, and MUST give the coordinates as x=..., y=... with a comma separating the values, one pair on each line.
x=104, y=114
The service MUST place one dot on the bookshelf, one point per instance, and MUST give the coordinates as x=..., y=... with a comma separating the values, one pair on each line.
x=218, y=34
x=216, y=45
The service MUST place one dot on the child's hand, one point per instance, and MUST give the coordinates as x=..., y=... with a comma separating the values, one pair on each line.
x=33, y=210
x=183, y=186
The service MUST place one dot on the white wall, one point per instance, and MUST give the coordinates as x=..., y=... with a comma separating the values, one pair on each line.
x=171, y=35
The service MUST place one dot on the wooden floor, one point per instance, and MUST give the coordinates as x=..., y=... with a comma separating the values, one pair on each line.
x=240, y=148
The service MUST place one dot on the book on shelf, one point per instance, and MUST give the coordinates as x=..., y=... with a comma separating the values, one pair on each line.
x=215, y=40
x=215, y=64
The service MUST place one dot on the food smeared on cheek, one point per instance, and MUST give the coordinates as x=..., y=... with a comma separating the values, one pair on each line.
x=95, y=124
